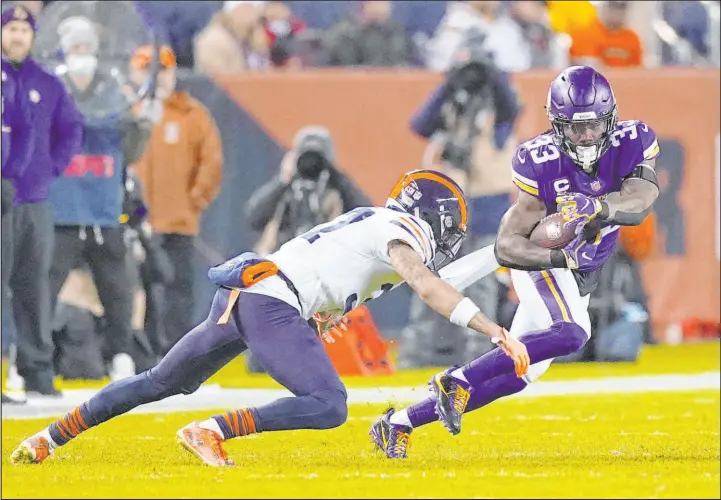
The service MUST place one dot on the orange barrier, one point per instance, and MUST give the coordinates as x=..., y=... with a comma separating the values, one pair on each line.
x=361, y=350
x=368, y=112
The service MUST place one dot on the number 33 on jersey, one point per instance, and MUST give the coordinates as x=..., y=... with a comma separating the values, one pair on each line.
x=541, y=170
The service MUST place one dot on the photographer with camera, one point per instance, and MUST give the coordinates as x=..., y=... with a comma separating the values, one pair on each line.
x=309, y=190
x=474, y=98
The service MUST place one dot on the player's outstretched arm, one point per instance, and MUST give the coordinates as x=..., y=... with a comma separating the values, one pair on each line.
x=631, y=205
x=431, y=289
x=446, y=300
x=513, y=248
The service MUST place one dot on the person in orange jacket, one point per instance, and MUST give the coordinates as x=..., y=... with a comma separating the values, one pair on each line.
x=180, y=173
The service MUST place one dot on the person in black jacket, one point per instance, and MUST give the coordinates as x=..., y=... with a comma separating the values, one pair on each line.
x=308, y=190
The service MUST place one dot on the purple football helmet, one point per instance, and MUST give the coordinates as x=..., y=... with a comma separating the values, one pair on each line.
x=437, y=199
x=582, y=110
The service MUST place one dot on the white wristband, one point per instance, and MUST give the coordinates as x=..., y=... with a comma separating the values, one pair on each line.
x=463, y=313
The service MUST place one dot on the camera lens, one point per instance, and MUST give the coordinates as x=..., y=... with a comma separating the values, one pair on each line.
x=310, y=165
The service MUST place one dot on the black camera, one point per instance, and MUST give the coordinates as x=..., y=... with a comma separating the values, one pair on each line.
x=468, y=94
x=311, y=164
x=312, y=159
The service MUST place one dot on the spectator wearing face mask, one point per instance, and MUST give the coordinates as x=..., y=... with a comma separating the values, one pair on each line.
x=87, y=199
x=282, y=30
x=41, y=131
x=370, y=38
x=279, y=22
x=180, y=173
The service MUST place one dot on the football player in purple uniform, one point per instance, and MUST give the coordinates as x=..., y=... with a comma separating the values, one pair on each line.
x=598, y=172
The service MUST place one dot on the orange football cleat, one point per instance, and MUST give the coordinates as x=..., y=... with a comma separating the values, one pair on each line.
x=204, y=444
x=31, y=451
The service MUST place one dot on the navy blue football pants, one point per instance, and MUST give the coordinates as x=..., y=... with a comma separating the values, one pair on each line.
x=279, y=338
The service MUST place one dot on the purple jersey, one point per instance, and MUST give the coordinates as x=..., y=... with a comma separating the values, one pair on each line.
x=540, y=169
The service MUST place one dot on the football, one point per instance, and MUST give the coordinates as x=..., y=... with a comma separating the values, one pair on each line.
x=549, y=232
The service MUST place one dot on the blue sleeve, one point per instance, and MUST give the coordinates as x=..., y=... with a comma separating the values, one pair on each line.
x=67, y=132
x=427, y=121
x=507, y=108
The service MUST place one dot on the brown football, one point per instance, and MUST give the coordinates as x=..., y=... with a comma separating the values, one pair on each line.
x=549, y=232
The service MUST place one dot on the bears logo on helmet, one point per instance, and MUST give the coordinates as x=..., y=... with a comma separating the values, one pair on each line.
x=438, y=200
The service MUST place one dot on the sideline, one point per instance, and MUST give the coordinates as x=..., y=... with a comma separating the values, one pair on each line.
x=213, y=396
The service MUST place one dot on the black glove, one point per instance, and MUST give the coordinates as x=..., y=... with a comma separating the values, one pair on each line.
x=8, y=195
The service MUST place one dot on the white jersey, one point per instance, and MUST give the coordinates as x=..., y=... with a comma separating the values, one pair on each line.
x=341, y=264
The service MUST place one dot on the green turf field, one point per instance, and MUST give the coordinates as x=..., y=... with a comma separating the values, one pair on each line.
x=654, y=445
x=657, y=359
x=645, y=445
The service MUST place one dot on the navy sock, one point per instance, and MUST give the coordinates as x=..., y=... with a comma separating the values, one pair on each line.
x=237, y=423
x=72, y=424
x=114, y=399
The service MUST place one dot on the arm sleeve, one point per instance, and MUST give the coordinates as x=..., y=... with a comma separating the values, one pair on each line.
x=463, y=272
x=210, y=168
x=67, y=132
x=522, y=172
x=261, y=206
x=427, y=120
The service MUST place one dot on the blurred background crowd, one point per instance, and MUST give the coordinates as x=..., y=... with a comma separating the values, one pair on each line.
x=115, y=205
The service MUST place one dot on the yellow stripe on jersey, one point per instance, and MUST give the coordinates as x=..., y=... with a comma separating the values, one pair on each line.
x=525, y=187
x=556, y=296
x=653, y=154
x=651, y=151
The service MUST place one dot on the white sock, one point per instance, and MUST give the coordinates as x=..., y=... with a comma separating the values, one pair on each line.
x=212, y=425
x=458, y=373
x=401, y=418
x=45, y=433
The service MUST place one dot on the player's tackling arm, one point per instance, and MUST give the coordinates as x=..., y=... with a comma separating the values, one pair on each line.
x=446, y=300
x=432, y=290
x=631, y=205
x=513, y=248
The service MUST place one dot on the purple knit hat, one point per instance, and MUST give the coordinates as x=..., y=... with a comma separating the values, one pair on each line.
x=19, y=13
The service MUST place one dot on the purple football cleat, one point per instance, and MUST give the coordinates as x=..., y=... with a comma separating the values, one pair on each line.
x=452, y=397
x=391, y=439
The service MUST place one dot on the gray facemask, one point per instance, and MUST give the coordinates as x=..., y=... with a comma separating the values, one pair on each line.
x=81, y=64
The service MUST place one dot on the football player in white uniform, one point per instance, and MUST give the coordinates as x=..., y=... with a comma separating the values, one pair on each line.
x=264, y=304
